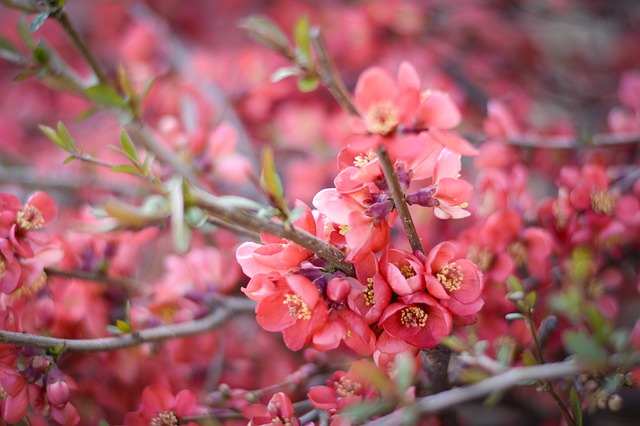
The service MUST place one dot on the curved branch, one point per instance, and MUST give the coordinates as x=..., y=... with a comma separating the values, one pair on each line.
x=228, y=308
x=515, y=376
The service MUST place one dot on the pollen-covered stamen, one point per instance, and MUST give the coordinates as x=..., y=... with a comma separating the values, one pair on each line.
x=29, y=289
x=166, y=418
x=412, y=316
x=518, y=252
x=297, y=307
x=450, y=276
x=602, y=201
x=483, y=257
x=363, y=159
x=3, y=266
x=344, y=229
x=407, y=271
x=382, y=117
x=369, y=295
x=346, y=387
x=30, y=218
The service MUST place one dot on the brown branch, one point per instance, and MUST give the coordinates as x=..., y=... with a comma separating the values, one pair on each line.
x=225, y=310
x=129, y=285
x=398, y=199
x=329, y=74
x=214, y=206
x=513, y=377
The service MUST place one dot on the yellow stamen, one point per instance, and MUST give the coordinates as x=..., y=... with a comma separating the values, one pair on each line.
x=450, y=276
x=407, y=271
x=297, y=307
x=346, y=387
x=166, y=418
x=602, y=201
x=413, y=316
x=518, y=252
x=364, y=159
x=369, y=296
x=382, y=118
x=30, y=218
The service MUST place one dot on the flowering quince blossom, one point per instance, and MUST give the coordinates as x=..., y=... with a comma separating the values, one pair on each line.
x=279, y=412
x=159, y=406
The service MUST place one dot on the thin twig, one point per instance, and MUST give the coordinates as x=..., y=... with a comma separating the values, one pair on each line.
x=129, y=285
x=398, y=199
x=212, y=204
x=78, y=41
x=329, y=74
x=230, y=307
x=513, y=377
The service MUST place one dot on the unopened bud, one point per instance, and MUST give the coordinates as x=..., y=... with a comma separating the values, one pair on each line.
x=423, y=197
x=380, y=207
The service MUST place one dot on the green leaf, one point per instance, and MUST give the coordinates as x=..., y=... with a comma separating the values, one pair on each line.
x=404, y=374
x=513, y=284
x=530, y=299
x=123, y=326
x=584, y=346
x=106, y=96
x=53, y=135
x=125, y=83
x=38, y=21
x=25, y=33
x=66, y=137
x=126, y=168
x=41, y=56
x=308, y=83
x=68, y=159
x=24, y=75
x=302, y=40
x=128, y=147
x=113, y=329
x=103, y=422
x=240, y=202
x=576, y=409
x=528, y=359
x=284, y=72
x=8, y=50
x=514, y=316
x=147, y=88
x=455, y=344
x=270, y=180
x=267, y=33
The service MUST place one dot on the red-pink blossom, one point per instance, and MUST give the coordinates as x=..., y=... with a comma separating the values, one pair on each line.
x=158, y=404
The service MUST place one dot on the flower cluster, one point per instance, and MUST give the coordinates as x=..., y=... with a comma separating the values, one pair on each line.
x=397, y=301
x=21, y=262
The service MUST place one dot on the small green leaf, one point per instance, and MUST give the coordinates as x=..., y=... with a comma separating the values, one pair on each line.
x=514, y=316
x=284, y=72
x=302, y=40
x=528, y=359
x=113, y=329
x=25, y=33
x=128, y=147
x=65, y=137
x=308, y=83
x=195, y=217
x=38, y=21
x=126, y=168
x=8, y=50
x=41, y=56
x=530, y=299
x=53, y=135
x=584, y=346
x=125, y=83
x=68, y=159
x=24, y=75
x=455, y=344
x=267, y=33
x=103, y=422
x=123, y=326
x=147, y=87
x=105, y=95
x=576, y=408
x=270, y=180
x=404, y=374
x=513, y=283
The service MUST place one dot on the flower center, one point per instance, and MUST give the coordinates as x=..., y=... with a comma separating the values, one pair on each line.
x=518, y=252
x=30, y=218
x=166, y=418
x=29, y=289
x=297, y=307
x=450, y=276
x=3, y=266
x=346, y=387
x=382, y=118
x=407, y=271
x=363, y=159
x=483, y=257
x=602, y=201
x=369, y=295
x=412, y=316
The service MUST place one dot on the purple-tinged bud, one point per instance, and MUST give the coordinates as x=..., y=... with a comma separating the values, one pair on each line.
x=423, y=197
x=404, y=176
x=380, y=207
x=57, y=388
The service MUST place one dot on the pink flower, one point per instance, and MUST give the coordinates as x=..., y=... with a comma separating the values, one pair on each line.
x=39, y=210
x=292, y=305
x=159, y=406
x=369, y=300
x=276, y=254
x=417, y=319
x=456, y=282
x=403, y=272
x=280, y=412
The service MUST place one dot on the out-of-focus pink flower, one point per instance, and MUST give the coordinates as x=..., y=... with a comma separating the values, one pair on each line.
x=158, y=405
x=280, y=411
